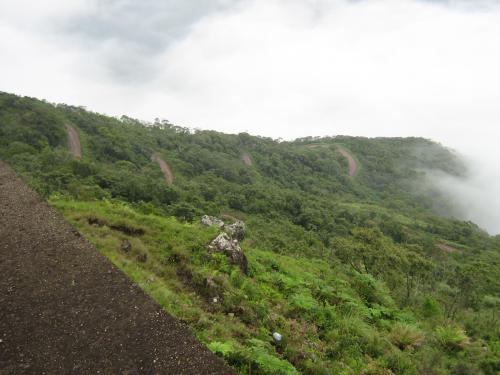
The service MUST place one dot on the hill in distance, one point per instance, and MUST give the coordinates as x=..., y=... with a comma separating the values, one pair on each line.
x=348, y=250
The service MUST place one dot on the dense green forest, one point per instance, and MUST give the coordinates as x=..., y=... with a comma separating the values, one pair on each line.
x=368, y=274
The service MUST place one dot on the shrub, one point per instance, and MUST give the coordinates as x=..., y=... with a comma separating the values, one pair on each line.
x=430, y=308
x=400, y=363
x=222, y=348
x=372, y=290
x=184, y=211
x=405, y=336
x=451, y=338
x=303, y=302
x=258, y=353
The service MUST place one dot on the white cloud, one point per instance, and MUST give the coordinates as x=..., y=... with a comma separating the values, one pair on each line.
x=281, y=68
x=381, y=67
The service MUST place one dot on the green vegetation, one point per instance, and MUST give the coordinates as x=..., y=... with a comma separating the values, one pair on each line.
x=348, y=270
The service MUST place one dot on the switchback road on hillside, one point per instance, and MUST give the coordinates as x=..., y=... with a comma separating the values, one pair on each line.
x=353, y=165
x=165, y=168
x=65, y=309
x=74, y=142
x=246, y=159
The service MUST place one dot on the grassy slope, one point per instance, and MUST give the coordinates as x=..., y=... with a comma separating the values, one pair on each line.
x=403, y=310
x=290, y=291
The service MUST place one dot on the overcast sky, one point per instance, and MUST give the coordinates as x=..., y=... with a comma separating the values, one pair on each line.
x=279, y=68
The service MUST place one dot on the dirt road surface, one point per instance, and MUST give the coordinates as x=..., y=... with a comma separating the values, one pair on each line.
x=446, y=248
x=353, y=165
x=165, y=168
x=65, y=309
x=246, y=159
x=74, y=142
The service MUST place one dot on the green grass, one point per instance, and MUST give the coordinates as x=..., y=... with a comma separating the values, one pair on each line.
x=318, y=308
x=347, y=269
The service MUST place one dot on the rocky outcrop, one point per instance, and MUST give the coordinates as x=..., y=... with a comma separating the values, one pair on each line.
x=224, y=243
x=228, y=241
x=231, y=248
x=236, y=230
x=211, y=221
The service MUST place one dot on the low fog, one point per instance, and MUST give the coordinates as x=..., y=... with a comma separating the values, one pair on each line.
x=475, y=197
x=278, y=68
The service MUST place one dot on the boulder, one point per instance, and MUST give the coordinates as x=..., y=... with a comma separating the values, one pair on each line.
x=223, y=243
x=236, y=230
x=211, y=221
x=231, y=248
x=239, y=258
x=125, y=246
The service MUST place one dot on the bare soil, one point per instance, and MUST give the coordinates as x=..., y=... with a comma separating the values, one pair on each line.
x=74, y=142
x=446, y=248
x=246, y=159
x=353, y=165
x=165, y=168
x=65, y=309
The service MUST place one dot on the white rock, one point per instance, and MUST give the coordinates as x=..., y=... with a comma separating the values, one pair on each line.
x=211, y=221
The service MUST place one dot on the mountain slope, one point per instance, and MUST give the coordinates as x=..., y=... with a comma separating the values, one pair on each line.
x=350, y=269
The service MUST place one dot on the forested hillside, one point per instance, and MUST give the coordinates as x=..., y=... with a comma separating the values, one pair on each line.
x=362, y=274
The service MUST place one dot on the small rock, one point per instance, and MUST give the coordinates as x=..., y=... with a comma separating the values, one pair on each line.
x=94, y=221
x=211, y=284
x=126, y=246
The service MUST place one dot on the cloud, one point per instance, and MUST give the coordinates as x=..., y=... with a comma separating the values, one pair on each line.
x=377, y=68
x=280, y=68
x=475, y=197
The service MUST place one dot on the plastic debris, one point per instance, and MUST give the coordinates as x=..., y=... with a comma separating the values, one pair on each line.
x=277, y=337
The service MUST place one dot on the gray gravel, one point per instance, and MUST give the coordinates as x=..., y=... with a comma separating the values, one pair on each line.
x=65, y=309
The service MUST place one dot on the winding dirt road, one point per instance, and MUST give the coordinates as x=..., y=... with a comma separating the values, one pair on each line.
x=165, y=168
x=353, y=165
x=246, y=159
x=446, y=248
x=65, y=309
x=74, y=142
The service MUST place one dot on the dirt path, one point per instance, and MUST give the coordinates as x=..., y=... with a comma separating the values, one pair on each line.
x=167, y=172
x=353, y=165
x=246, y=159
x=65, y=309
x=446, y=248
x=74, y=142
